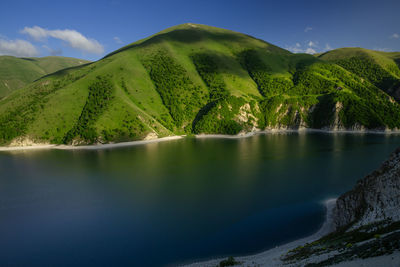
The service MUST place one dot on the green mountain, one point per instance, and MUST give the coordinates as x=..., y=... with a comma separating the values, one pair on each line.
x=16, y=72
x=193, y=79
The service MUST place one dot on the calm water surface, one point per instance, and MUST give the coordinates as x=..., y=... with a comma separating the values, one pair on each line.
x=176, y=201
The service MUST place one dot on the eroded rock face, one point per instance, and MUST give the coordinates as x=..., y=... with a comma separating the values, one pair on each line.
x=375, y=197
x=151, y=136
x=26, y=141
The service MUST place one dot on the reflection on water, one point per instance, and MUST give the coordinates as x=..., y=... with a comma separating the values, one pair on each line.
x=175, y=201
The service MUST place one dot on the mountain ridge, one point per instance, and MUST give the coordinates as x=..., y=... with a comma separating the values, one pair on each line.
x=17, y=72
x=183, y=27
x=196, y=79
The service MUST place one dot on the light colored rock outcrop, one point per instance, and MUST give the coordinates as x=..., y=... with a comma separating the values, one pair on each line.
x=375, y=197
x=25, y=141
x=151, y=136
x=245, y=115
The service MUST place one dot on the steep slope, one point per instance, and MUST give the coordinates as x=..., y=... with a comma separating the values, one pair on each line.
x=15, y=72
x=192, y=79
x=380, y=68
x=374, y=198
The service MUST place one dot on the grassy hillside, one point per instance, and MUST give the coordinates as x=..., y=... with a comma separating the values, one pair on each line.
x=15, y=72
x=379, y=68
x=192, y=79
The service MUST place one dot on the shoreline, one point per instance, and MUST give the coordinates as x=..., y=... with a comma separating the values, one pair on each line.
x=91, y=147
x=198, y=136
x=302, y=130
x=272, y=256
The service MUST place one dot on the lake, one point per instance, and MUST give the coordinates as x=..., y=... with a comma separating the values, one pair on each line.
x=175, y=202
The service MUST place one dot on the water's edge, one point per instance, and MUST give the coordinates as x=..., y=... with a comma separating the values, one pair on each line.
x=200, y=136
x=91, y=147
x=272, y=256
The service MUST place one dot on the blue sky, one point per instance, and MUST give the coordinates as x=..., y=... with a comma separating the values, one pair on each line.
x=92, y=29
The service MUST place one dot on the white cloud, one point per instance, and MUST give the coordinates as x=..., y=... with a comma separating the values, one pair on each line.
x=310, y=50
x=307, y=47
x=395, y=36
x=73, y=38
x=383, y=49
x=327, y=47
x=312, y=44
x=35, y=32
x=295, y=49
x=307, y=29
x=18, y=48
x=118, y=40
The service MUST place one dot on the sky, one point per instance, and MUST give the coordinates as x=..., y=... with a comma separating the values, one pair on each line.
x=92, y=29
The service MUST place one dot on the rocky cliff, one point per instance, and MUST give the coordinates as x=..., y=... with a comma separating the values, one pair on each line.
x=375, y=197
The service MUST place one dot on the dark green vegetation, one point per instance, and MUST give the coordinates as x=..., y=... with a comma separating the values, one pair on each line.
x=16, y=121
x=219, y=117
x=379, y=68
x=261, y=74
x=179, y=94
x=15, y=72
x=193, y=79
x=100, y=94
x=228, y=262
x=208, y=70
x=364, y=242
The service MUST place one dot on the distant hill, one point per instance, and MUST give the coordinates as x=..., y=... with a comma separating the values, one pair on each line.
x=193, y=79
x=15, y=72
x=379, y=68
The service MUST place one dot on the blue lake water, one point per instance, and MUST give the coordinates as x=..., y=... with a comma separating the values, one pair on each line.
x=175, y=202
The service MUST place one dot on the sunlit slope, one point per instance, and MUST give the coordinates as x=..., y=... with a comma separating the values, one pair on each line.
x=380, y=68
x=15, y=72
x=192, y=79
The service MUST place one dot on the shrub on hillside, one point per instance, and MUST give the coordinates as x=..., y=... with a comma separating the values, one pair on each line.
x=179, y=94
x=208, y=71
x=100, y=94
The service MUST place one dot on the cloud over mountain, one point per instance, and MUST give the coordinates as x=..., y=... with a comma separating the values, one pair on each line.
x=73, y=38
x=395, y=36
x=307, y=29
x=18, y=48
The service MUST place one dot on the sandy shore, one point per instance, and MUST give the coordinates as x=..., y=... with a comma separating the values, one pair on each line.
x=200, y=136
x=302, y=130
x=272, y=257
x=123, y=144
x=91, y=147
x=226, y=136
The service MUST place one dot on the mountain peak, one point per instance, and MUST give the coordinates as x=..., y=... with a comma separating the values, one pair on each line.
x=202, y=35
x=191, y=25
